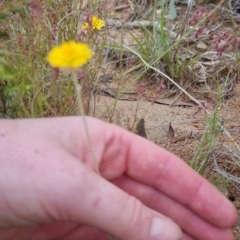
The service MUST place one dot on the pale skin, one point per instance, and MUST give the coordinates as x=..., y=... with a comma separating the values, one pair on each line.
x=49, y=187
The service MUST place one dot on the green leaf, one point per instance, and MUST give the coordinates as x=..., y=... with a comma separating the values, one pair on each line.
x=172, y=14
x=160, y=3
x=5, y=71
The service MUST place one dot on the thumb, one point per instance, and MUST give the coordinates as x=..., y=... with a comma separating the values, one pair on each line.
x=98, y=203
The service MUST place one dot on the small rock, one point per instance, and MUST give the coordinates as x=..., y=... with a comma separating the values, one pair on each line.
x=202, y=46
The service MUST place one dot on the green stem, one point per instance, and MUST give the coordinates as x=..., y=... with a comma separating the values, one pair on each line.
x=81, y=113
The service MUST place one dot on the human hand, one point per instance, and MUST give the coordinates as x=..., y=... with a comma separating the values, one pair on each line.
x=49, y=188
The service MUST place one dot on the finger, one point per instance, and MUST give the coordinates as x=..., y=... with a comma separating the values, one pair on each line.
x=50, y=231
x=108, y=208
x=187, y=237
x=89, y=233
x=86, y=233
x=46, y=231
x=154, y=166
x=61, y=231
x=186, y=219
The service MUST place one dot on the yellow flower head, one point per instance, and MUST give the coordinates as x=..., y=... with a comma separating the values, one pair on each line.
x=69, y=55
x=96, y=24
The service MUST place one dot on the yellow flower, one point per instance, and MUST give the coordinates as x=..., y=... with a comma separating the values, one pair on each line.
x=69, y=55
x=85, y=26
x=96, y=24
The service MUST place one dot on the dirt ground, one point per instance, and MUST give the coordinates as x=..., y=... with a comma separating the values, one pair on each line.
x=177, y=123
x=188, y=129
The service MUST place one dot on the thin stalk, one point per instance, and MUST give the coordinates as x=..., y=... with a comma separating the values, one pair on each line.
x=78, y=91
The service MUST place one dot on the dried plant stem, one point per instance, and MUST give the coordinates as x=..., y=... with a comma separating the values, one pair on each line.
x=81, y=113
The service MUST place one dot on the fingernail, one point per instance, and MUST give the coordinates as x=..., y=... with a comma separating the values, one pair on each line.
x=164, y=229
